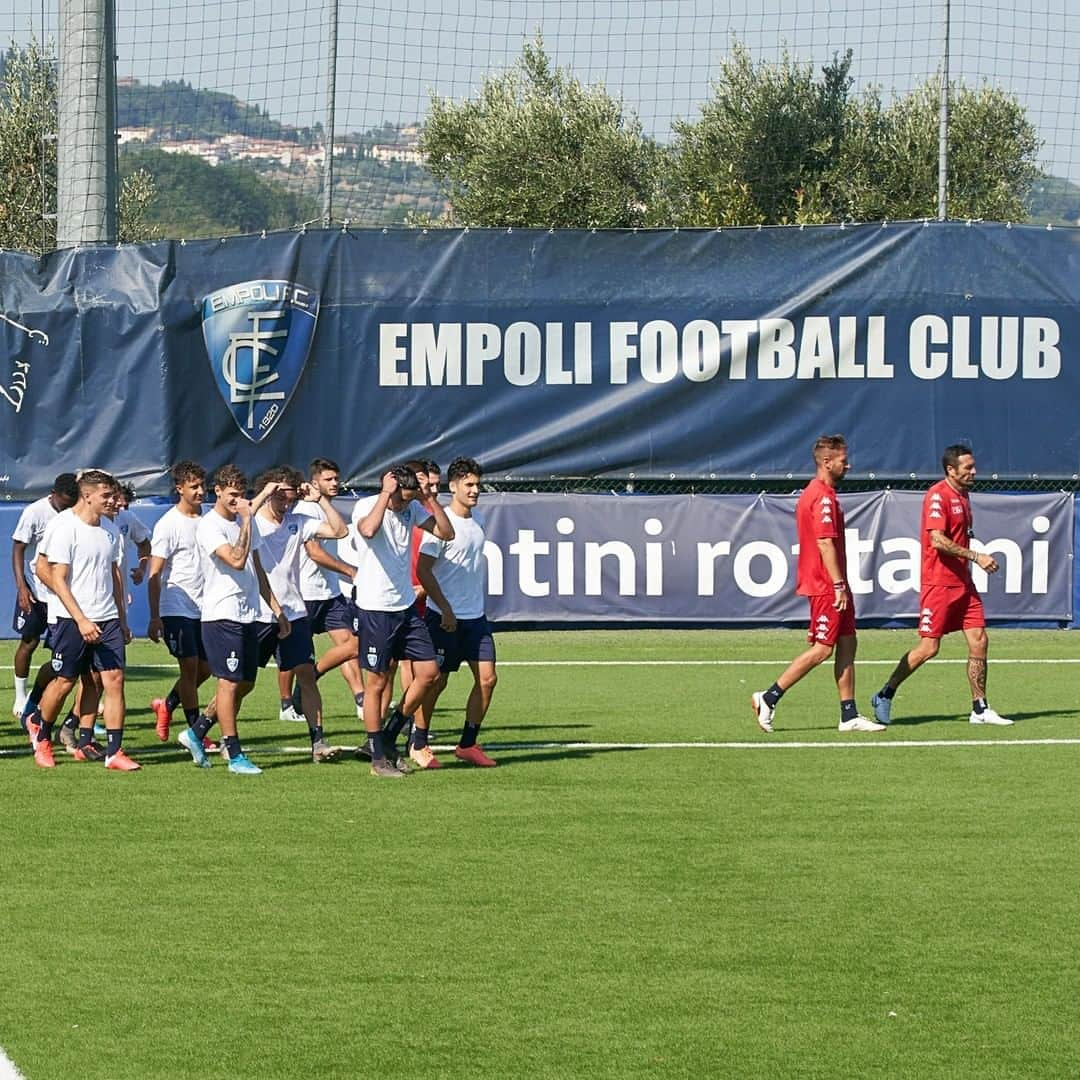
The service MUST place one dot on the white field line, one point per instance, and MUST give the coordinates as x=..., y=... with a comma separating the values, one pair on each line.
x=876, y=743
x=7, y=1068
x=996, y=661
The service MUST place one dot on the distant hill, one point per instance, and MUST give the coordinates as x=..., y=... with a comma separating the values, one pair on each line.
x=178, y=111
x=1055, y=200
x=196, y=199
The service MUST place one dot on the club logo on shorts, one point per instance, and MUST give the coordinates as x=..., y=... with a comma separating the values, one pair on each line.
x=20, y=621
x=57, y=661
x=355, y=625
x=258, y=335
x=232, y=663
x=372, y=656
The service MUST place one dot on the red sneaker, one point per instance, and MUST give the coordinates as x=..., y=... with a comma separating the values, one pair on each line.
x=32, y=730
x=164, y=718
x=474, y=755
x=121, y=762
x=43, y=756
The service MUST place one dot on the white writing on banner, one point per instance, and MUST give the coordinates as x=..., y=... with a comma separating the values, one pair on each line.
x=659, y=351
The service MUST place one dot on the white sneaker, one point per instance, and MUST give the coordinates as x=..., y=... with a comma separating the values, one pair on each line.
x=860, y=723
x=17, y=709
x=988, y=716
x=291, y=716
x=763, y=713
x=882, y=707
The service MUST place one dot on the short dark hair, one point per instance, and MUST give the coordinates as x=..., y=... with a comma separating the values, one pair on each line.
x=405, y=476
x=66, y=486
x=826, y=445
x=951, y=455
x=418, y=465
x=128, y=491
x=321, y=465
x=463, y=466
x=183, y=471
x=279, y=474
x=432, y=466
x=230, y=476
x=91, y=478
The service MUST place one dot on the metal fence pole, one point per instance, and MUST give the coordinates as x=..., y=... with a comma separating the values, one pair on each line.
x=943, y=127
x=328, y=132
x=86, y=187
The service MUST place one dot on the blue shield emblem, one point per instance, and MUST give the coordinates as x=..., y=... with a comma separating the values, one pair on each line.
x=258, y=335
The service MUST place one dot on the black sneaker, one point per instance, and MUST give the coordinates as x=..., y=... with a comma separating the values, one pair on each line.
x=90, y=752
x=381, y=767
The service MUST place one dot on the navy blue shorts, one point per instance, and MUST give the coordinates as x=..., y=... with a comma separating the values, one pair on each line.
x=72, y=656
x=232, y=649
x=392, y=635
x=183, y=637
x=290, y=652
x=332, y=614
x=471, y=641
x=30, y=625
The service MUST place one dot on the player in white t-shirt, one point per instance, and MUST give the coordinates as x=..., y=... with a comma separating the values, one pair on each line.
x=326, y=583
x=453, y=575
x=174, y=591
x=136, y=536
x=282, y=536
x=88, y=622
x=233, y=583
x=30, y=619
x=387, y=624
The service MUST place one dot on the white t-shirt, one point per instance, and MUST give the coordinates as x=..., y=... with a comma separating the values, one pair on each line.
x=459, y=566
x=29, y=530
x=280, y=547
x=384, y=576
x=182, y=575
x=315, y=583
x=134, y=533
x=90, y=552
x=227, y=593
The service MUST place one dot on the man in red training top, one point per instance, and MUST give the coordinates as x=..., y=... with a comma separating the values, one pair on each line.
x=948, y=600
x=822, y=578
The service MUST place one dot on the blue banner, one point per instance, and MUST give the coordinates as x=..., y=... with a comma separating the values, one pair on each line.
x=712, y=354
x=728, y=560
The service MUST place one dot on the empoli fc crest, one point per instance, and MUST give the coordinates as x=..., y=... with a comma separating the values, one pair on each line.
x=258, y=335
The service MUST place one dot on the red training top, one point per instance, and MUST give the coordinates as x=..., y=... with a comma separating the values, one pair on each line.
x=949, y=511
x=817, y=517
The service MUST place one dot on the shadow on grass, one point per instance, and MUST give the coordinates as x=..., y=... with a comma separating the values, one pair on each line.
x=532, y=754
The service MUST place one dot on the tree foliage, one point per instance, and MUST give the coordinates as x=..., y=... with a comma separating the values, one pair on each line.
x=536, y=147
x=775, y=143
x=28, y=123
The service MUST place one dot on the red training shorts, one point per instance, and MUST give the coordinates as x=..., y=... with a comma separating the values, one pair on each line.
x=826, y=623
x=944, y=609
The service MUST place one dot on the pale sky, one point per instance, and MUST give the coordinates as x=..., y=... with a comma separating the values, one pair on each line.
x=659, y=56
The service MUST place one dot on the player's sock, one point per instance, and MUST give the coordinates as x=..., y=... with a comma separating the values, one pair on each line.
x=113, y=739
x=191, y=716
x=468, y=735
x=36, y=692
x=202, y=725
x=887, y=692
x=316, y=733
x=359, y=699
x=45, y=735
x=374, y=745
x=979, y=705
x=232, y=746
x=86, y=735
x=395, y=725
x=419, y=737
x=20, y=689
x=773, y=695
x=286, y=703
x=848, y=709
x=172, y=701
x=71, y=721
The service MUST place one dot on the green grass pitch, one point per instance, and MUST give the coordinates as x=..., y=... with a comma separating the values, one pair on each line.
x=869, y=907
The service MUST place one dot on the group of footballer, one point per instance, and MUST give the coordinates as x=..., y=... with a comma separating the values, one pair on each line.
x=248, y=581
